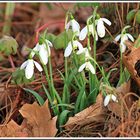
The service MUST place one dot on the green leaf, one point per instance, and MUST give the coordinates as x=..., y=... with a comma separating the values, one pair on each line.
x=137, y=42
x=62, y=39
x=91, y=96
x=8, y=45
x=94, y=4
x=63, y=117
x=83, y=103
x=51, y=37
x=138, y=17
x=37, y=96
x=125, y=77
x=78, y=101
x=131, y=15
x=18, y=77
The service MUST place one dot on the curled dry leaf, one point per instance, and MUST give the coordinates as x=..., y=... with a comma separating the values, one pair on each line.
x=125, y=98
x=40, y=120
x=94, y=113
x=130, y=59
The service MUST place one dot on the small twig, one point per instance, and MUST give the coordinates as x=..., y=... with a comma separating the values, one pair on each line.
x=11, y=61
x=45, y=26
x=118, y=14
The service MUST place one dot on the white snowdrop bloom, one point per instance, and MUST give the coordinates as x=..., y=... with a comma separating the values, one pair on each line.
x=74, y=25
x=123, y=38
x=72, y=45
x=84, y=32
x=44, y=51
x=29, y=67
x=88, y=66
x=85, y=51
x=101, y=27
x=108, y=98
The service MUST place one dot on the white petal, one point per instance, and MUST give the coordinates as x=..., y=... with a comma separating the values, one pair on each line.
x=75, y=26
x=68, y=50
x=80, y=51
x=29, y=69
x=78, y=44
x=113, y=97
x=67, y=26
x=24, y=65
x=124, y=38
x=35, y=49
x=130, y=37
x=117, y=38
x=123, y=47
x=106, y=21
x=83, y=33
x=106, y=100
x=49, y=43
x=43, y=55
x=38, y=66
x=101, y=28
x=82, y=67
x=90, y=67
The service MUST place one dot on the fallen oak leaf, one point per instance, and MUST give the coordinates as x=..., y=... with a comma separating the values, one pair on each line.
x=94, y=113
x=40, y=120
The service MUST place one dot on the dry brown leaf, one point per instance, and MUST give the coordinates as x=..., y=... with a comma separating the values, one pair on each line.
x=130, y=59
x=12, y=129
x=94, y=113
x=124, y=88
x=39, y=118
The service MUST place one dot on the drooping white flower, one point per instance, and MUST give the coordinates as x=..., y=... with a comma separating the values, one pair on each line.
x=86, y=52
x=44, y=51
x=74, y=25
x=29, y=67
x=123, y=38
x=108, y=98
x=101, y=27
x=72, y=45
x=88, y=66
x=84, y=32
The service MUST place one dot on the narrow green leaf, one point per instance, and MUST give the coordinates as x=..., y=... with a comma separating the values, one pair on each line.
x=38, y=97
x=83, y=103
x=63, y=118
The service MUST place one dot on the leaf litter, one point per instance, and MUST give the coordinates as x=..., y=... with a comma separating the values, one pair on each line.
x=37, y=122
x=117, y=119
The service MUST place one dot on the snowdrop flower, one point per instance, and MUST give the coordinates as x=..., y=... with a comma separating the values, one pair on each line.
x=101, y=27
x=29, y=67
x=75, y=26
x=108, y=98
x=84, y=32
x=44, y=51
x=123, y=38
x=88, y=66
x=72, y=45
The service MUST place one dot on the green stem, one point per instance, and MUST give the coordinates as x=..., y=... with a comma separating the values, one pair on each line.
x=121, y=68
x=10, y=7
x=50, y=72
x=47, y=77
x=81, y=81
